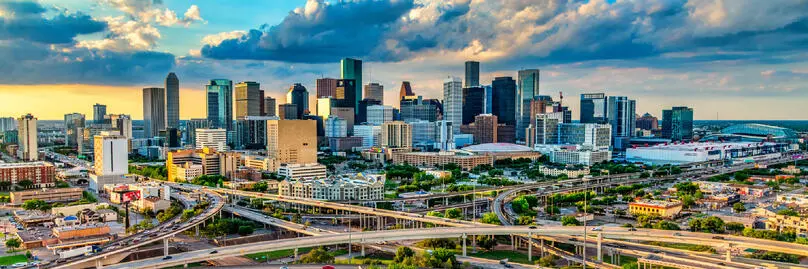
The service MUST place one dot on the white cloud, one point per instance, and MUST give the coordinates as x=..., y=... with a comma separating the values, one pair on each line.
x=215, y=39
x=125, y=35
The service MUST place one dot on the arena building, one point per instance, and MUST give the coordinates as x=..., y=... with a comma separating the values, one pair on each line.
x=679, y=153
x=503, y=151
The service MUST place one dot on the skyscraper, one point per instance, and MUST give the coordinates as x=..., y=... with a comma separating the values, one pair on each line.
x=352, y=69
x=374, y=91
x=172, y=101
x=593, y=108
x=503, y=100
x=453, y=102
x=211, y=138
x=379, y=114
x=99, y=111
x=121, y=123
x=473, y=103
x=528, y=88
x=647, y=122
x=28, y=138
x=248, y=99
x=111, y=154
x=346, y=94
x=472, y=74
x=405, y=91
x=154, y=111
x=326, y=87
x=292, y=141
x=413, y=109
x=677, y=123
x=396, y=134
x=74, y=128
x=287, y=112
x=270, y=107
x=191, y=126
x=7, y=124
x=220, y=103
x=299, y=96
x=362, y=114
x=622, y=119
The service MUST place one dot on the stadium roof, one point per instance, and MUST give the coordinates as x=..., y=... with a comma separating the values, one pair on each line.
x=497, y=147
x=760, y=130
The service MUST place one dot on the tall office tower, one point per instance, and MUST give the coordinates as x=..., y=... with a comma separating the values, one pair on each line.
x=489, y=99
x=248, y=99
x=423, y=134
x=190, y=129
x=370, y=134
x=211, y=138
x=154, y=111
x=346, y=94
x=396, y=134
x=593, y=108
x=622, y=118
x=123, y=124
x=546, y=126
x=540, y=105
x=587, y=136
x=292, y=141
x=503, y=100
x=336, y=127
x=220, y=103
x=299, y=96
x=288, y=112
x=172, y=137
x=362, y=114
x=99, y=111
x=473, y=103
x=27, y=141
x=324, y=105
x=74, y=125
x=413, y=109
x=374, y=91
x=172, y=101
x=251, y=132
x=506, y=133
x=648, y=122
x=472, y=74
x=405, y=91
x=352, y=69
x=483, y=128
x=261, y=101
x=7, y=124
x=677, y=123
x=326, y=87
x=270, y=105
x=444, y=137
x=453, y=102
x=528, y=89
x=378, y=114
x=111, y=154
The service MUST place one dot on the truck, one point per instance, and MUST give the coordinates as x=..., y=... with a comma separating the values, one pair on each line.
x=85, y=250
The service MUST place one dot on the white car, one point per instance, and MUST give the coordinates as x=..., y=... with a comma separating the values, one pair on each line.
x=19, y=264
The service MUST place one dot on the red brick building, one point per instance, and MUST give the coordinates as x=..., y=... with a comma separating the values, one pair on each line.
x=43, y=174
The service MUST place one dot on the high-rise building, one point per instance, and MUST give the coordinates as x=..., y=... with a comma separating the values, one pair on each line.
x=396, y=134
x=336, y=127
x=352, y=69
x=220, y=103
x=503, y=100
x=444, y=135
x=593, y=108
x=292, y=141
x=647, y=122
x=374, y=91
x=248, y=99
x=621, y=115
x=489, y=98
x=326, y=87
x=262, y=111
x=172, y=101
x=346, y=94
x=378, y=115
x=121, y=123
x=74, y=126
x=28, y=139
x=528, y=81
x=473, y=103
x=99, y=111
x=472, y=74
x=423, y=134
x=211, y=138
x=677, y=123
x=362, y=114
x=483, y=128
x=7, y=124
x=370, y=134
x=251, y=132
x=172, y=137
x=453, y=102
x=540, y=105
x=324, y=106
x=413, y=109
x=405, y=91
x=111, y=154
x=154, y=111
x=270, y=107
x=190, y=129
x=288, y=112
x=299, y=96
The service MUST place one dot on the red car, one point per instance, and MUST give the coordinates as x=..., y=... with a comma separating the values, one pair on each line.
x=328, y=267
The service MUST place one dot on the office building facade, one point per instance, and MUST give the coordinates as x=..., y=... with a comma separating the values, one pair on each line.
x=248, y=99
x=405, y=91
x=190, y=129
x=472, y=74
x=647, y=122
x=374, y=91
x=528, y=82
x=172, y=85
x=28, y=138
x=336, y=127
x=299, y=96
x=503, y=100
x=211, y=138
x=8, y=124
x=74, y=127
x=111, y=154
x=378, y=115
x=351, y=69
x=251, y=132
x=154, y=111
x=593, y=108
x=270, y=107
x=473, y=103
x=220, y=103
x=99, y=111
x=677, y=123
x=370, y=134
x=622, y=117
x=326, y=87
x=292, y=141
x=288, y=112
x=362, y=114
x=413, y=109
x=396, y=134
x=453, y=102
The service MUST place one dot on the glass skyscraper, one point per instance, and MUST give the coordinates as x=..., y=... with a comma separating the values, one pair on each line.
x=220, y=103
x=352, y=69
x=473, y=103
x=677, y=123
x=299, y=96
x=172, y=101
x=622, y=117
x=593, y=108
x=99, y=111
x=154, y=111
x=472, y=74
x=503, y=100
x=528, y=88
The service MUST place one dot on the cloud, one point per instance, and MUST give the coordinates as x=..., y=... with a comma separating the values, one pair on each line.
x=26, y=20
x=148, y=11
x=125, y=36
x=216, y=39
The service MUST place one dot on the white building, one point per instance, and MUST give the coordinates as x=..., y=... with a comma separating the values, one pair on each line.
x=572, y=156
x=378, y=115
x=27, y=138
x=453, y=102
x=423, y=133
x=336, y=127
x=302, y=171
x=262, y=163
x=111, y=151
x=678, y=153
x=354, y=187
x=211, y=138
x=370, y=134
x=188, y=171
x=444, y=135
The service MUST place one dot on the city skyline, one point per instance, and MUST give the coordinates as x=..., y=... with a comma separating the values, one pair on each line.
x=703, y=63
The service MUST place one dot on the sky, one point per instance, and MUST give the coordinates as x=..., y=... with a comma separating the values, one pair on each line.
x=728, y=59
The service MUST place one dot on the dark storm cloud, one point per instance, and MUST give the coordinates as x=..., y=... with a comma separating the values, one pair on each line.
x=25, y=20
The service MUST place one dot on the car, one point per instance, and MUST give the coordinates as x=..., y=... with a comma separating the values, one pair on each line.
x=597, y=229
x=284, y=267
x=167, y=258
x=574, y=239
x=508, y=265
x=328, y=267
x=214, y=252
x=19, y=264
x=718, y=237
x=532, y=227
x=632, y=229
x=677, y=234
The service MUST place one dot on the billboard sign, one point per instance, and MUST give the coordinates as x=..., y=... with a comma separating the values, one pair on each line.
x=130, y=196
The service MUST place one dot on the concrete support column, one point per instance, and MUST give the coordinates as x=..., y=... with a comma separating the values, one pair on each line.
x=165, y=246
x=363, y=250
x=464, y=244
x=513, y=243
x=99, y=264
x=295, y=254
x=729, y=254
x=541, y=247
x=196, y=228
x=530, y=246
x=600, y=248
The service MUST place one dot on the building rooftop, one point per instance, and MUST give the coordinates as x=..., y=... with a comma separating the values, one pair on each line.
x=659, y=203
x=759, y=130
x=497, y=147
x=704, y=146
x=25, y=164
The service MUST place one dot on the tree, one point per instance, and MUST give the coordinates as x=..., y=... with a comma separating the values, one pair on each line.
x=524, y=220
x=296, y=218
x=454, y=213
x=403, y=252
x=486, y=242
x=491, y=218
x=25, y=183
x=547, y=261
x=434, y=214
x=13, y=243
x=245, y=230
x=318, y=255
x=735, y=227
x=788, y=212
x=569, y=221
x=36, y=204
x=5, y=185
x=739, y=207
x=666, y=225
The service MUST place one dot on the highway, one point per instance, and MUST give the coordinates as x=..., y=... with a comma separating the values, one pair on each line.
x=283, y=224
x=372, y=237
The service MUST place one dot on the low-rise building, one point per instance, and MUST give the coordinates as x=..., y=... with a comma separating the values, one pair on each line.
x=466, y=161
x=60, y=195
x=799, y=199
x=75, y=209
x=262, y=163
x=188, y=171
x=345, y=187
x=791, y=169
x=42, y=174
x=302, y=171
x=554, y=171
x=152, y=204
x=84, y=230
x=665, y=209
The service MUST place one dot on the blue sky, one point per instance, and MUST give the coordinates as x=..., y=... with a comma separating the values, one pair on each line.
x=737, y=59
